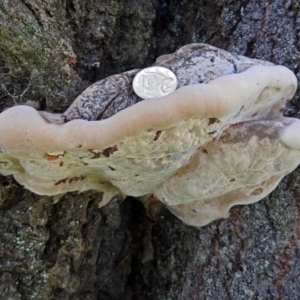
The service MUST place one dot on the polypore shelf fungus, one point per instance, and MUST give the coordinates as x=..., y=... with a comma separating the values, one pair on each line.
x=219, y=140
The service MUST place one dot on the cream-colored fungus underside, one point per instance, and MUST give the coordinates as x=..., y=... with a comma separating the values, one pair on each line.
x=200, y=150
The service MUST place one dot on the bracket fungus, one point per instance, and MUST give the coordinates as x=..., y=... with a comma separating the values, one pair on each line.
x=219, y=140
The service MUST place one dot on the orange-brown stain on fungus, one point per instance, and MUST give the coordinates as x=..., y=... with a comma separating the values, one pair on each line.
x=212, y=121
x=96, y=155
x=157, y=135
x=76, y=178
x=53, y=156
x=109, y=151
x=95, y=152
x=61, y=181
x=70, y=180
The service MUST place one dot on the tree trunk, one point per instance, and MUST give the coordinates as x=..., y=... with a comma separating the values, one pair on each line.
x=50, y=51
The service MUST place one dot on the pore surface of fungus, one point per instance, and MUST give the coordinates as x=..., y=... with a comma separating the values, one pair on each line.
x=217, y=141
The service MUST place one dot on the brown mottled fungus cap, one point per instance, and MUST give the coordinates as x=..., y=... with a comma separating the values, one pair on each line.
x=192, y=64
x=199, y=150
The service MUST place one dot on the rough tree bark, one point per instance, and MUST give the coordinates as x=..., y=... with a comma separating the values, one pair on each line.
x=49, y=52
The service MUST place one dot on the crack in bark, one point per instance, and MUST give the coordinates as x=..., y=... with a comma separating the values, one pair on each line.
x=33, y=12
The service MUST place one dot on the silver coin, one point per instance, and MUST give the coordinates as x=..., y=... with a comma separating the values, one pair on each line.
x=154, y=82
